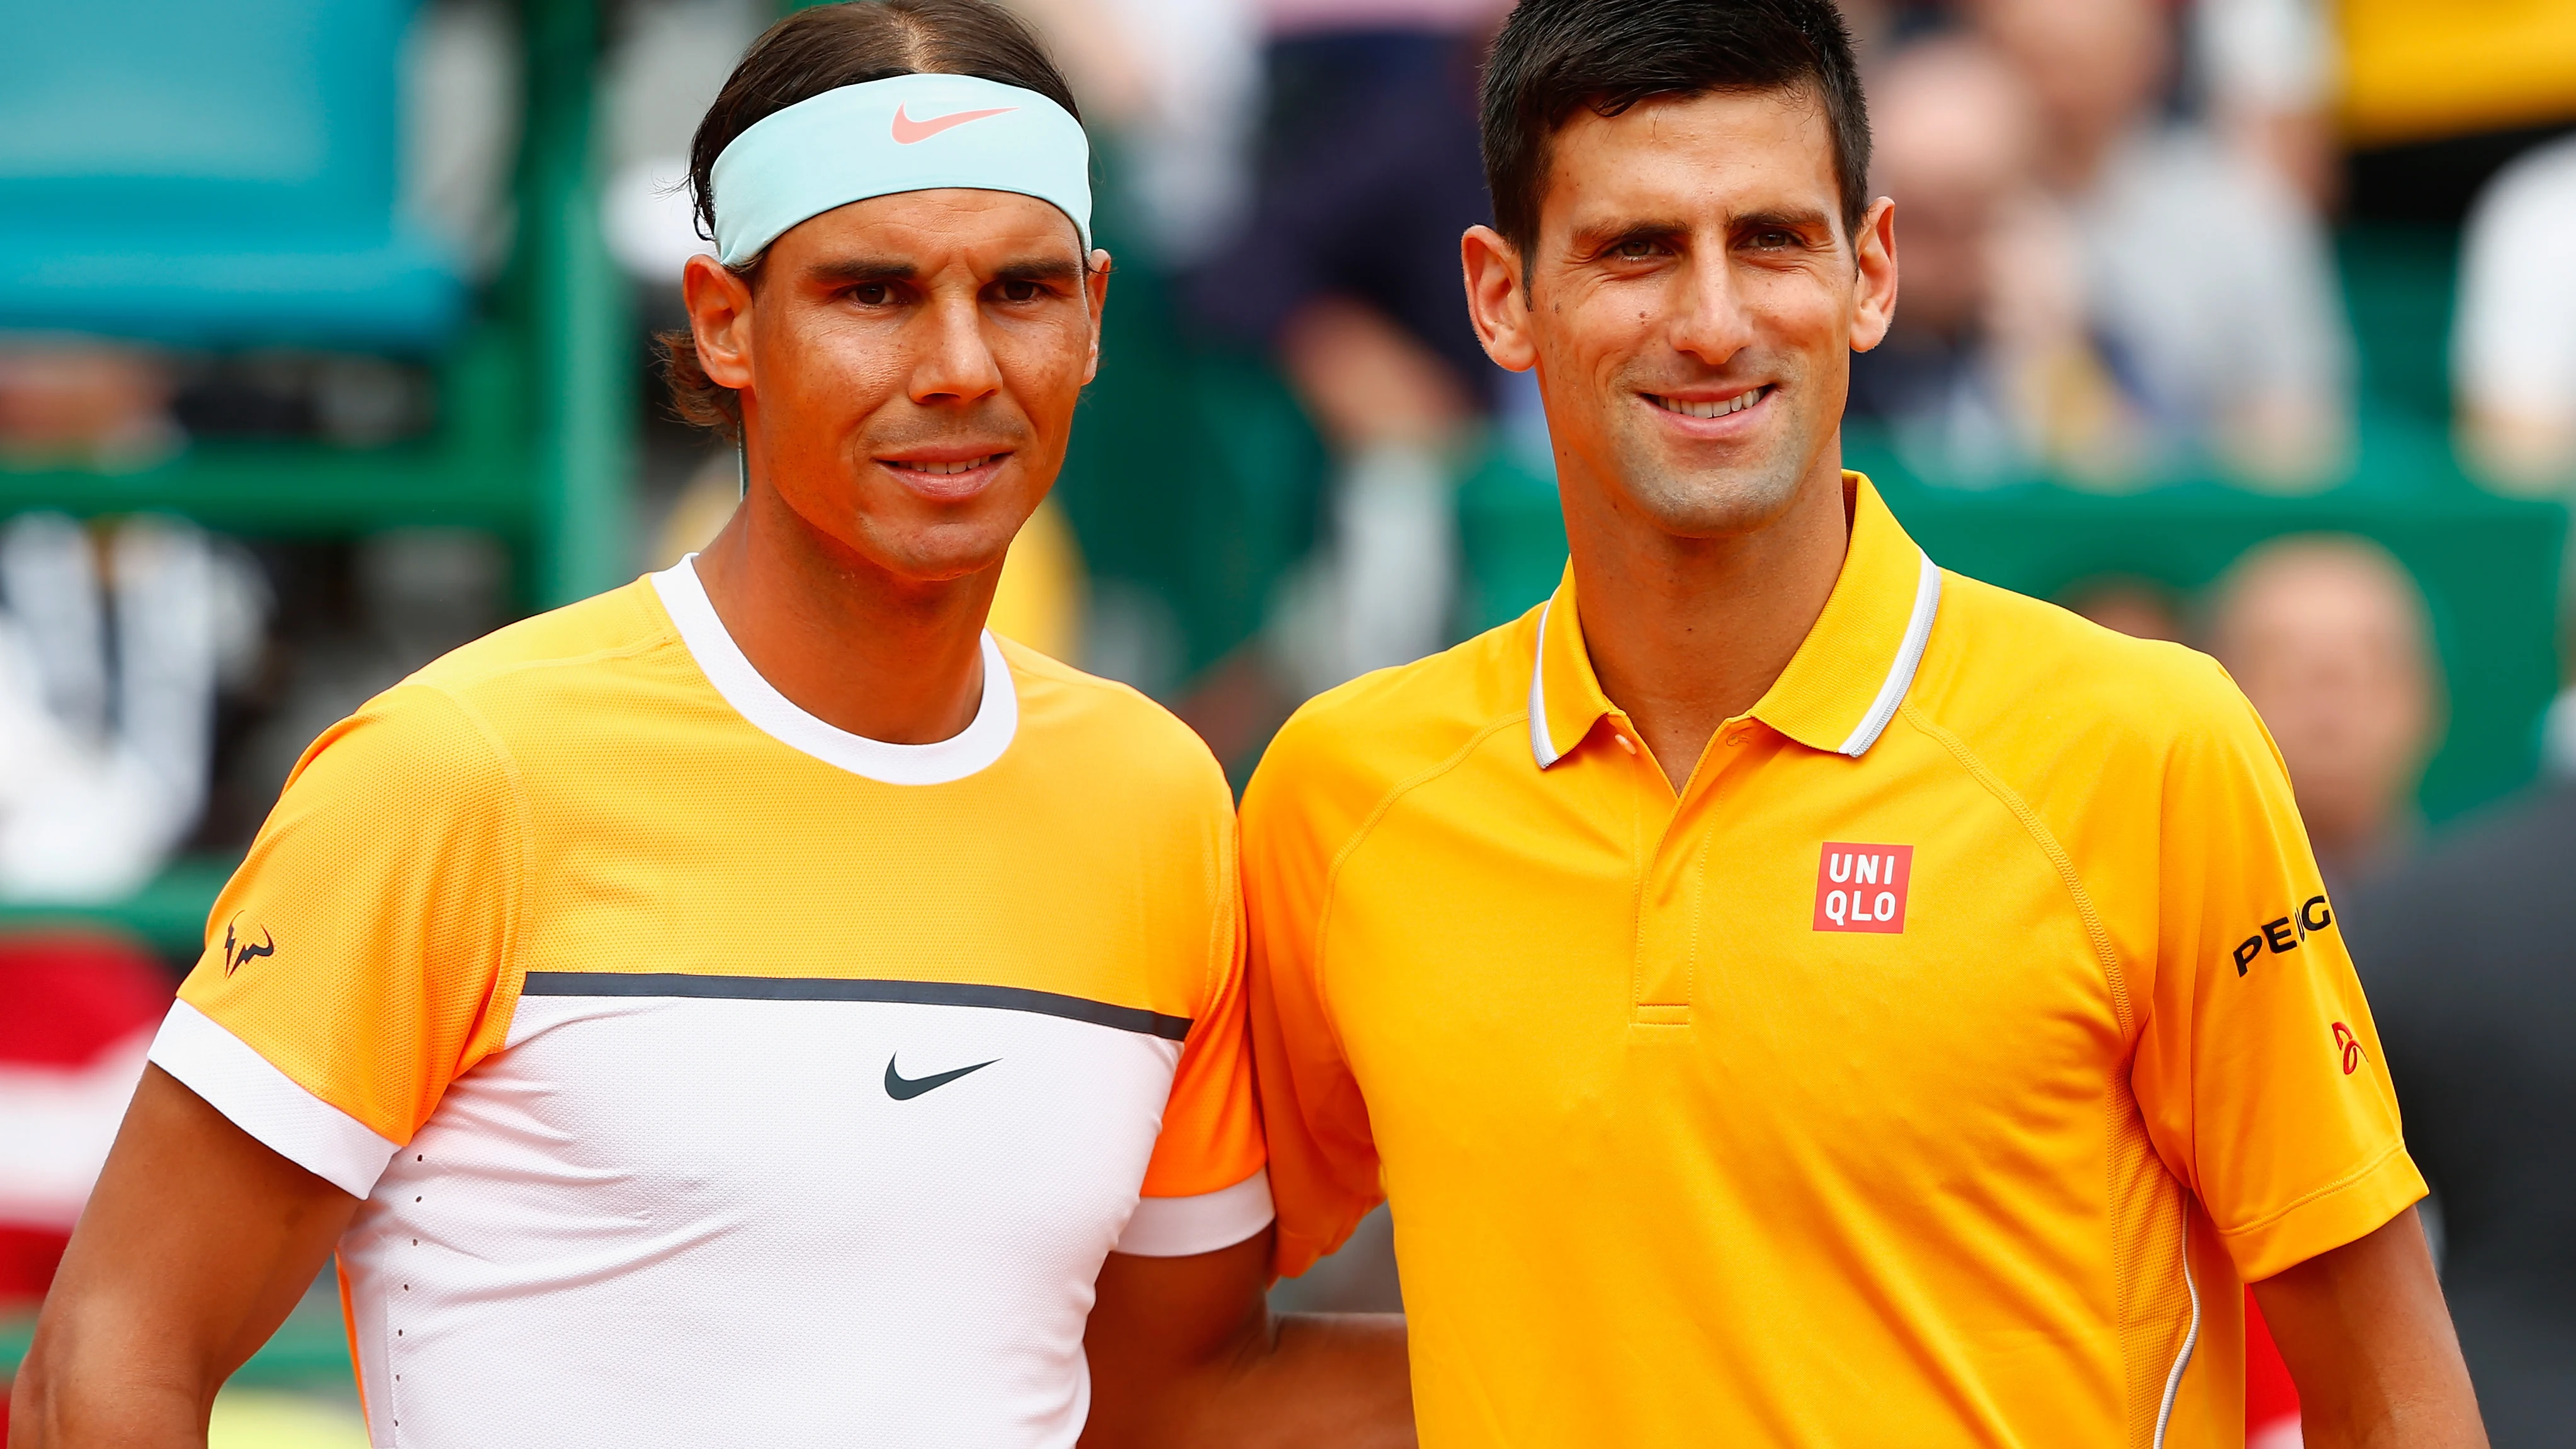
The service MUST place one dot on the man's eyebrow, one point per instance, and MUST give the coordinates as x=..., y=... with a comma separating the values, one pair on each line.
x=1038, y=269
x=1602, y=236
x=863, y=269
x=1807, y=220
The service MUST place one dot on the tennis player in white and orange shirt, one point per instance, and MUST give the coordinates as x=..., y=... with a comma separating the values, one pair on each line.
x=754, y=1006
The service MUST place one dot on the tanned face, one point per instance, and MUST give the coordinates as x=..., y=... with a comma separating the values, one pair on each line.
x=1691, y=305
x=908, y=368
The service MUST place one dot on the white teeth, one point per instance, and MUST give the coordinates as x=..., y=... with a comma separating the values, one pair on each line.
x=1735, y=404
x=944, y=470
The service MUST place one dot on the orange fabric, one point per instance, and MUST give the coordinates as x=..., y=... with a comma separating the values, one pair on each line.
x=2416, y=72
x=571, y=794
x=1676, y=1157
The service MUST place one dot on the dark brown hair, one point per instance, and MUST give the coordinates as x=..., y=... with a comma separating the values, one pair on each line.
x=1555, y=56
x=822, y=49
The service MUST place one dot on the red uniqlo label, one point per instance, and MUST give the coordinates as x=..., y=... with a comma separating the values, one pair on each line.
x=1862, y=887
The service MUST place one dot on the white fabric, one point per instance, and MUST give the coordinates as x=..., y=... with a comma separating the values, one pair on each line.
x=906, y=133
x=983, y=741
x=1178, y=1227
x=1909, y=657
x=709, y=1222
x=1542, y=744
x=268, y=1104
x=2514, y=343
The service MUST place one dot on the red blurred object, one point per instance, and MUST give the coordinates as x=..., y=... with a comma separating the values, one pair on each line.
x=2270, y=1397
x=77, y=1010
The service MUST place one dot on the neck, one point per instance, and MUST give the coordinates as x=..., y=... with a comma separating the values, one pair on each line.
x=1687, y=633
x=845, y=640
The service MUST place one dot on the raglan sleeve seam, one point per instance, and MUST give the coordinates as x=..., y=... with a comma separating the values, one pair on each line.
x=511, y=969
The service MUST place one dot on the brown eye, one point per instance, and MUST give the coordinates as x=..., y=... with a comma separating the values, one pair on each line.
x=1636, y=250
x=1020, y=291
x=871, y=294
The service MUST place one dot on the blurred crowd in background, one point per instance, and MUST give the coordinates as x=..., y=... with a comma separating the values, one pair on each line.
x=325, y=345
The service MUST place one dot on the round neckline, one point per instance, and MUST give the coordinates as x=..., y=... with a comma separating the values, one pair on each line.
x=721, y=660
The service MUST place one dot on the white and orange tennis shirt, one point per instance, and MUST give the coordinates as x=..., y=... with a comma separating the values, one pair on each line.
x=712, y=1076
x=1929, y=1070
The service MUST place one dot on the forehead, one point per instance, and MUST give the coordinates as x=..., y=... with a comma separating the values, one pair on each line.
x=1690, y=159
x=930, y=229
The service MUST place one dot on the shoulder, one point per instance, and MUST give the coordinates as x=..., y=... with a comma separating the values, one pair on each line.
x=1114, y=728
x=1353, y=747
x=620, y=623
x=2001, y=664
x=443, y=728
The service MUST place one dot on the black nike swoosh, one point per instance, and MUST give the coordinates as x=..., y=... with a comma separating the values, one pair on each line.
x=904, y=1089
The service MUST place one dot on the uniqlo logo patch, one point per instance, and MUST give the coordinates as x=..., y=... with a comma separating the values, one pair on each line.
x=1862, y=887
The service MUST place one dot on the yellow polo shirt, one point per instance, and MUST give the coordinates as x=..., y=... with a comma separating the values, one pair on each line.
x=1930, y=1071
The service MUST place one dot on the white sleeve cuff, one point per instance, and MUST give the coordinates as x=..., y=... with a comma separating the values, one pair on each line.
x=268, y=1104
x=1177, y=1227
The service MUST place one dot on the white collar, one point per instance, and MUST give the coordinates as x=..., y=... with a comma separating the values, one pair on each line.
x=997, y=718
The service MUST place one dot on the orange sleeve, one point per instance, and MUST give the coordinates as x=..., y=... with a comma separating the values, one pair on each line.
x=1211, y=1134
x=354, y=965
x=1323, y=1160
x=2258, y=1069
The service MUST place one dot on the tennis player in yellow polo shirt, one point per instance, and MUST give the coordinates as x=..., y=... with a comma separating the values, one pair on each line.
x=1789, y=994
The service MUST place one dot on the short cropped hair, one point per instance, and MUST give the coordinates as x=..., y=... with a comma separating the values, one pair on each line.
x=1555, y=56
x=823, y=49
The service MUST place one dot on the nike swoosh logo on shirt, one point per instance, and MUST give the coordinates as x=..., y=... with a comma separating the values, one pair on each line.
x=907, y=131
x=904, y=1089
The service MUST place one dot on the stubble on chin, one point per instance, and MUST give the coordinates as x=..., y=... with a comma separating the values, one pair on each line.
x=1705, y=497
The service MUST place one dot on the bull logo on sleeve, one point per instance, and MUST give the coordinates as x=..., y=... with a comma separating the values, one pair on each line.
x=240, y=950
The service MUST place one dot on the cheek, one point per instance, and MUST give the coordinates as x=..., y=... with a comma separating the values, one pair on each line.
x=833, y=373
x=1801, y=309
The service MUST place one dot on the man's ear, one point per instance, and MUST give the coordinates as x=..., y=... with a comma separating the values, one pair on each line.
x=1095, y=286
x=1874, y=276
x=1497, y=298
x=719, y=306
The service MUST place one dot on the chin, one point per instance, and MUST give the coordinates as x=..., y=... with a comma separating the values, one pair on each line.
x=1714, y=501
x=941, y=554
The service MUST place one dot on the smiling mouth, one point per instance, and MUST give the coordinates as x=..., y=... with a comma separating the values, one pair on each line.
x=1712, y=409
x=943, y=470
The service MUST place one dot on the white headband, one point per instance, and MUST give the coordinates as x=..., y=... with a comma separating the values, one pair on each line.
x=907, y=133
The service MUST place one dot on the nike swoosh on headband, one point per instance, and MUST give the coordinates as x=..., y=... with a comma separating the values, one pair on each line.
x=865, y=140
x=908, y=131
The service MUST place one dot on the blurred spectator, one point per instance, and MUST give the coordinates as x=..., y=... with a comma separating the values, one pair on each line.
x=1170, y=86
x=1367, y=171
x=2472, y=981
x=2139, y=608
x=2328, y=636
x=2208, y=282
x=2513, y=350
x=1957, y=147
x=2268, y=66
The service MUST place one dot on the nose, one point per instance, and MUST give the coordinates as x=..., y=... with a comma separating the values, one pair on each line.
x=955, y=362
x=1711, y=321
